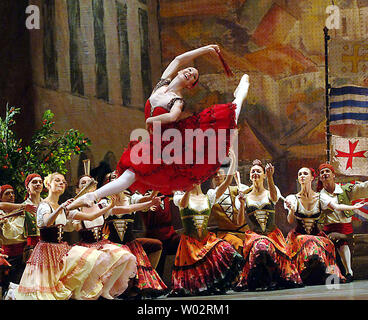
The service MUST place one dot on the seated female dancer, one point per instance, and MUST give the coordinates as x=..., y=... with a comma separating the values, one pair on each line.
x=268, y=265
x=119, y=223
x=309, y=246
x=164, y=106
x=56, y=270
x=121, y=262
x=204, y=264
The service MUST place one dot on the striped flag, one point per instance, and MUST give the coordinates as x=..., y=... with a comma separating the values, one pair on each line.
x=363, y=209
x=350, y=155
x=349, y=104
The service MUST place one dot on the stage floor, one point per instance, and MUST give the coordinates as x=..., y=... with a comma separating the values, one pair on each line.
x=357, y=290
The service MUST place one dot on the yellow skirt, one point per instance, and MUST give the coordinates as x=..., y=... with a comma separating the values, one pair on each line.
x=57, y=271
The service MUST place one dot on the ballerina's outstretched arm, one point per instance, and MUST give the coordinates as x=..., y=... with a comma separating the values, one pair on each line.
x=187, y=57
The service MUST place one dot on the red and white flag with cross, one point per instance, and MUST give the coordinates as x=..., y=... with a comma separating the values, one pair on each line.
x=350, y=155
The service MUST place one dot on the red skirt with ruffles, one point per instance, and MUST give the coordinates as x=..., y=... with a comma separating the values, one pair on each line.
x=147, y=281
x=145, y=158
x=274, y=243
x=302, y=246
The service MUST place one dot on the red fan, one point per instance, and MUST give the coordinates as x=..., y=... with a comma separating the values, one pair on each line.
x=4, y=262
x=227, y=69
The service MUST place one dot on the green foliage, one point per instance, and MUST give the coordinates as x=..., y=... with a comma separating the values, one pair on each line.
x=48, y=151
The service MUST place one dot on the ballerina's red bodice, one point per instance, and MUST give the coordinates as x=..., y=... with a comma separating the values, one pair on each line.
x=193, y=159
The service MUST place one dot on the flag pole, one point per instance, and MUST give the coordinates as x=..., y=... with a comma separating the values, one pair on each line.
x=327, y=85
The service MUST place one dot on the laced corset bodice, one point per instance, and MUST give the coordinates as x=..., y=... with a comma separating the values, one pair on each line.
x=195, y=218
x=307, y=220
x=260, y=215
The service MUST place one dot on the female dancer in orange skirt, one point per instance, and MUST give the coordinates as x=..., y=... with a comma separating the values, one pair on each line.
x=204, y=264
x=142, y=168
x=268, y=265
x=308, y=246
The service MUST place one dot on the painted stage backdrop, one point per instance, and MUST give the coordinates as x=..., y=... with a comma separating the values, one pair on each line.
x=280, y=44
x=94, y=64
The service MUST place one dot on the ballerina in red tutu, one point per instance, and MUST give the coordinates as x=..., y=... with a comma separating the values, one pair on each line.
x=163, y=109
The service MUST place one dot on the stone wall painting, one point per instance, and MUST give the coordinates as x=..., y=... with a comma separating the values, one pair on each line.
x=76, y=72
x=93, y=65
x=124, y=52
x=49, y=49
x=102, y=90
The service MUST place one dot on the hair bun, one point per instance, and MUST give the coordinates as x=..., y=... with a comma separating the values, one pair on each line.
x=257, y=162
x=313, y=172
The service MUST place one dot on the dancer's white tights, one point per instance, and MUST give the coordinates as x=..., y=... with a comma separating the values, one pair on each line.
x=345, y=255
x=240, y=94
x=116, y=186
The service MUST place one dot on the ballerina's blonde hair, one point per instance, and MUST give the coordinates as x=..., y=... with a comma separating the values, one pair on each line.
x=49, y=178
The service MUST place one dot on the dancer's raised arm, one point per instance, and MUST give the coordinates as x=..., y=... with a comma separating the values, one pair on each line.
x=185, y=199
x=240, y=218
x=223, y=186
x=271, y=185
x=186, y=57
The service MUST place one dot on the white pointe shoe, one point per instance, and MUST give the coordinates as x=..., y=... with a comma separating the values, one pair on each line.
x=242, y=86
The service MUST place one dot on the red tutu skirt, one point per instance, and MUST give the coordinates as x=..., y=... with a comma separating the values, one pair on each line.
x=152, y=173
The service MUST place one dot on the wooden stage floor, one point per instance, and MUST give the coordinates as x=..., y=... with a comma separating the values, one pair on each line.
x=357, y=290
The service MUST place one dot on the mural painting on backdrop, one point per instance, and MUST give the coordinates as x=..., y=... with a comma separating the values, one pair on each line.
x=281, y=45
x=106, y=74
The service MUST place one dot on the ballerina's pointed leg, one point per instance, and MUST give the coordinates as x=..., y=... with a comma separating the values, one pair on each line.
x=113, y=187
x=240, y=94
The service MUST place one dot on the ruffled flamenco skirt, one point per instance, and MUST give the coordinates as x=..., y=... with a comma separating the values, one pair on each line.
x=147, y=281
x=285, y=272
x=204, y=267
x=303, y=246
x=121, y=266
x=152, y=173
x=58, y=271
